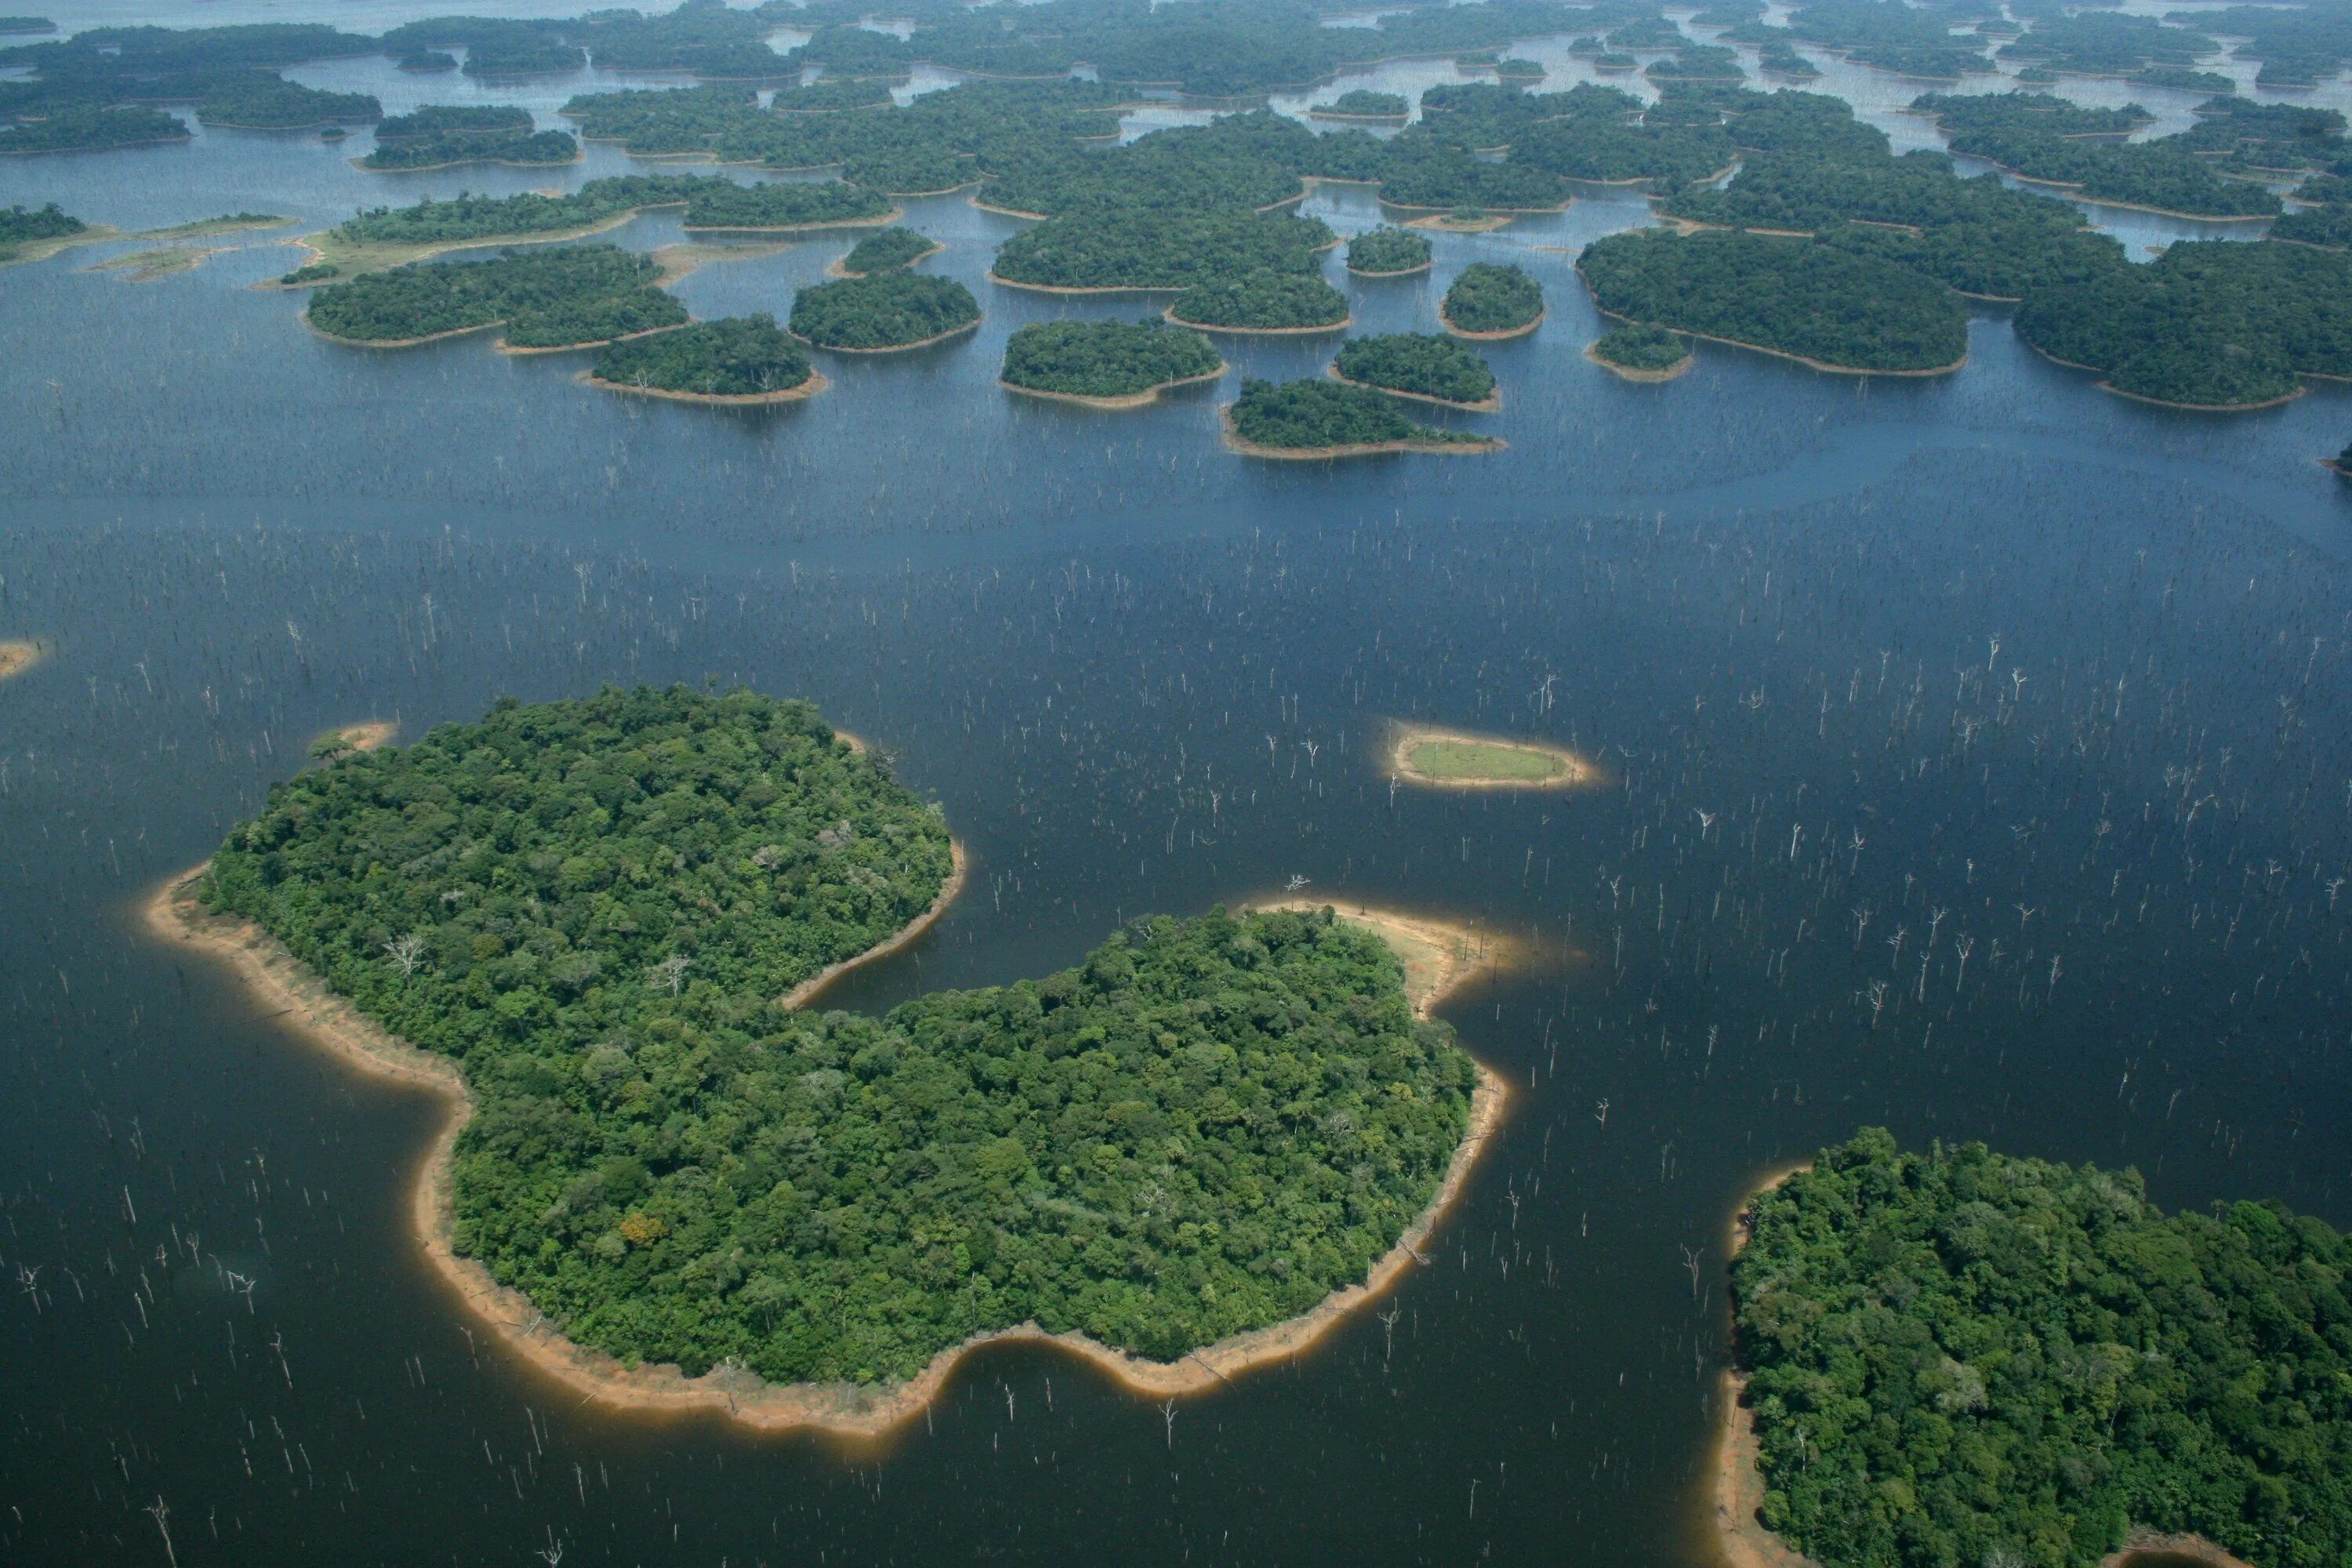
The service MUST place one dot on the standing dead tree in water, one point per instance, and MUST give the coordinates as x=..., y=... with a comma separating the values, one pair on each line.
x=161, y=1512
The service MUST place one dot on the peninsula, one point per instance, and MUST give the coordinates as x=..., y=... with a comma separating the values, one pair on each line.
x=2073, y=1368
x=598, y=1258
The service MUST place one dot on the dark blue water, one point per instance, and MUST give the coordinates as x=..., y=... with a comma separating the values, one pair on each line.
x=1995, y=660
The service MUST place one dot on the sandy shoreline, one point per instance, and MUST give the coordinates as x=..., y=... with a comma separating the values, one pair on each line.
x=1497, y=336
x=1490, y=404
x=1632, y=374
x=815, y=384
x=284, y=987
x=1576, y=771
x=1235, y=442
x=1143, y=399
x=20, y=655
x=1341, y=325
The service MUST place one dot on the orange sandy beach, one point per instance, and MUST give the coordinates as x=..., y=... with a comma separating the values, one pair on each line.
x=1436, y=960
x=16, y=658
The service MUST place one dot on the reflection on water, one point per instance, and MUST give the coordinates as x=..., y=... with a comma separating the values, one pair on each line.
x=1977, y=759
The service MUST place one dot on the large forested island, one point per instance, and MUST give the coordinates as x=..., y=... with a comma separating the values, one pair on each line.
x=1830, y=308
x=1262, y=302
x=559, y=297
x=440, y=136
x=1317, y=419
x=593, y=909
x=1958, y=1357
x=735, y=359
x=1147, y=250
x=888, y=310
x=1430, y=366
x=1106, y=365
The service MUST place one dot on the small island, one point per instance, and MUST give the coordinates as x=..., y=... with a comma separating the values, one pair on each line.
x=1490, y=303
x=262, y=102
x=992, y=1216
x=737, y=361
x=1641, y=353
x=564, y=298
x=1428, y=367
x=884, y=251
x=1106, y=364
x=1149, y=250
x=1456, y=759
x=1960, y=1356
x=1388, y=253
x=1824, y=307
x=1263, y=303
x=1318, y=420
x=1362, y=104
x=19, y=654
x=886, y=313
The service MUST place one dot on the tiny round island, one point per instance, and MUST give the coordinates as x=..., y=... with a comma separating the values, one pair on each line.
x=1455, y=759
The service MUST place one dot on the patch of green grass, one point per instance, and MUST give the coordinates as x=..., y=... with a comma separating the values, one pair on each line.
x=1483, y=761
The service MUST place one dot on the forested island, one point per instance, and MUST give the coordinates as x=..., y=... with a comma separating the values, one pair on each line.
x=1388, y=253
x=882, y=313
x=1262, y=302
x=1106, y=365
x=560, y=297
x=1641, y=353
x=29, y=234
x=262, y=101
x=738, y=360
x=1431, y=367
x=1958, y=1356
x=823, y=1198
x=1147, y=250
x=1808, y=302
x=1363, y=104
x=81, y=130
x=2043, y=138
x=825, y=203
x=443, y=136
x=886, y=249
x=1319, y=419
x=1490, y=302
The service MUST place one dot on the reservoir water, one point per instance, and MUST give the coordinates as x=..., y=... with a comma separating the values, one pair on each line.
x=1976, y=756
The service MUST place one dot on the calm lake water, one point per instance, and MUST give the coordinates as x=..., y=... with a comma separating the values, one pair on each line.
x=1977, y=764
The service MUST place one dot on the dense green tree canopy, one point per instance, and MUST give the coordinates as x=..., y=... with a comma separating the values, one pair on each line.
x=535, y=150
x=1106, y=359
x=20, y=225
x=888, y=310
x=551, y=297
x=885, y=248
x=1387, y=251
x=1797, y=297
x=262, y=101
x=1427, y=364
x=1262, y=301
x=1485, y=298
x=795, y=204
x=737, y=356
x=1159, y=250
x=1361, y=103
x=1645, y=348
x=1310, y=416
x=1958, y=1357
x=77, y=128
x=592, y=907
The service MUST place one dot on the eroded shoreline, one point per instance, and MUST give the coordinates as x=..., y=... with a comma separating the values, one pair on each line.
x=286, y=988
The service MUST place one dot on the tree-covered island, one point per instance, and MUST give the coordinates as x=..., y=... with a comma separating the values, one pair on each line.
x=884, y=313
x=1388, y=253
x=1829, y=308
x=735, y=359
x=1319, y=419
x=1489, y=301
x=1641, y=353
x=1106, y=365
x=1428, y=367
x=1264, y=302
x=591, y=911
x=886, y=249
x=1957, y=1357
x=1363, y=104
x=440, y=136
x=574, y=295
x=1151, y=250
x=792, y=204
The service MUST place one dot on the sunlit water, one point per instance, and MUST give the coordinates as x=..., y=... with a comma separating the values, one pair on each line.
x=1976, y=756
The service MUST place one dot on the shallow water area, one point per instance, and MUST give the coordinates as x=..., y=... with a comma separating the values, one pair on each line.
x=1972, y=755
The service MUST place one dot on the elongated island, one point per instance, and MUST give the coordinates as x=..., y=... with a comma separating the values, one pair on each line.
x=1960, y=1356
x=671, y=1186
x=1457, y=759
